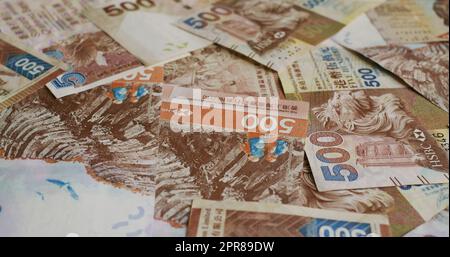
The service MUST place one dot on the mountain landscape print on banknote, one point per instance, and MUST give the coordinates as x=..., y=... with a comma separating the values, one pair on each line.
x=274, y=33
x=58, y=29
x=216, y=68
x=113, y=141
x=233, y=165
x=373, y=138
x=424, y=67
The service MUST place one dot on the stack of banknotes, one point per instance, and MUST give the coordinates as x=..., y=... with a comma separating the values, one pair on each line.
x=224, y=118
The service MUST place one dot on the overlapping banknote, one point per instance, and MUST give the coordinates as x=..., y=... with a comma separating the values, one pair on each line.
x=437, y=227
x=58, y=29
x=215, y=68
x=237, y=219
x=367, y=129
x=304, y=119
x=374, y=138
x=331, y=67
x=273, y=32
x=23, y=71
x=410, y=39
x=220, y=146
x=404, y=207
x=145, y=27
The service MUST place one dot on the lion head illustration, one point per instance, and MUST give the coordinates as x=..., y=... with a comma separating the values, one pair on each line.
x=356, y=112
x=85, y=49
x=272, y=15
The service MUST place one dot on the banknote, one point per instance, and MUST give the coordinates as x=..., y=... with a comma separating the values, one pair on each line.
x=58, y=29
x=273, y=33
x=144, y=27
x=134, y=86
x=442, y=137
x=23, y=71
x=331, y=67
x=437, y=227
x=407, y=207
x=374, y=138
x=220, y=149
x=217, y=68
x=411, y=21
x=403, y=36
x=61, y=199
x=237, y=219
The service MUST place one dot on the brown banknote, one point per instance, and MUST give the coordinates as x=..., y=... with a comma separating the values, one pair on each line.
x=374, y=138
x=57, y=28
x=238, y=219
x=406, y=207
x=408, y=38
x=115, y=142
x=424, y=67
x=225, y=160
x=219, y=69
x=273, y=32
x=23, y=71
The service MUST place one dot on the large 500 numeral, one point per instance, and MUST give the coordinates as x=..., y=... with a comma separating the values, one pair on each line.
x=212, y=16
x=330, y=147
x=113, y=10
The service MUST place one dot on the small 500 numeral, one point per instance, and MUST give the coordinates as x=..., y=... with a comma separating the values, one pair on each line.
x=128, y=6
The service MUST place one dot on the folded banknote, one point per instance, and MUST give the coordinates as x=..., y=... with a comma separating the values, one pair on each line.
x=220, y=146
x=237, y=219
x=408, y=38
x=145, y=27
x=23, y=71
x=273, y=32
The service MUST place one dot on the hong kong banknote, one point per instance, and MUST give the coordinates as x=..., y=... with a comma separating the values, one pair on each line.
x=442, y=138
x=331, y=67
x=112, y=130
x=407, y=207
x=437, y=227
x=274, y=33
x=237, y=219
x=145, y=27
x=405, y=37
x=216, y=148
x=62, y=199
x=374, y=138
x=23, y=71
x=219, y=69
x=58, y=29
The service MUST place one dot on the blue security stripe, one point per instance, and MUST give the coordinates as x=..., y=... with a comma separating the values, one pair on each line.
x=27, y=65
x=334, y=228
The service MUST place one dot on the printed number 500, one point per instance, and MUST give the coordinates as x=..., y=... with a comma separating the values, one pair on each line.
x=213, y=15
x=29, y=66
x=113, y=10
x=329, y=142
